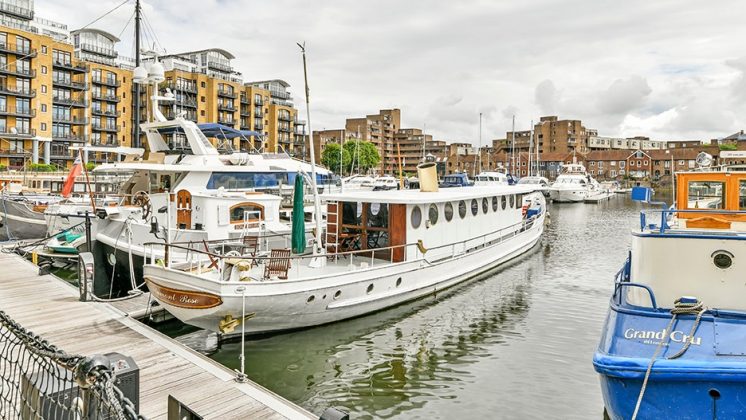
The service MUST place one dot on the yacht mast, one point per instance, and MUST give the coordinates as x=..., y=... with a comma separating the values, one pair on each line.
x=512, y=149
x=479, y=151
x=316, y=201
x=136, y=128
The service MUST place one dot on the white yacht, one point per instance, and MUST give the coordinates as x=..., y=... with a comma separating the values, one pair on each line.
x=541, y=183
x=491, y=178
x=358, y=183
x=382, y=249
x=385, y=182
x=573, y=184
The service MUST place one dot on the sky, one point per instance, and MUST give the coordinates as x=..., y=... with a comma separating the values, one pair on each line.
x=666, y=69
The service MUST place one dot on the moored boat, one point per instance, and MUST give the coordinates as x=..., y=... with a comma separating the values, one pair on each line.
x=573, y=184
x=675, y=336
x=382, y=249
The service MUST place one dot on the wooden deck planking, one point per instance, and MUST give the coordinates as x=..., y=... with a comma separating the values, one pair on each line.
x=49, y=307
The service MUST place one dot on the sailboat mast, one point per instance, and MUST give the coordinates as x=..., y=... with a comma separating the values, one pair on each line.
x=136, y=128
x=512, y=149
x=530, y=143
x=479, y=151
x=316, y=201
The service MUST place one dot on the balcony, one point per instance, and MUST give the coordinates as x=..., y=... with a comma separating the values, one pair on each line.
x=108, y=98
x=106, y=128
x=245, y=112
x=71, y=137
x=280, y=94
x=245, y=100
x=15, y=71
x=69, y=65
x=188, y=103
x=106, y=82
x=104, y=143
x=227, y=93
x=181, y=87
x=11, y=49
x=283, y=117
x=226, y=107
x=19, y=133
x=61, y=154
x=283, y=129
x=16, y=112
x=61, y=119
x=70, y=84
x=17, y=11
x=258, y=127
x=260, y=102
x=105, y=113
x=75, y=103
x=107, y=52
x=219, y=67
x=226, y=122
x=24, y=93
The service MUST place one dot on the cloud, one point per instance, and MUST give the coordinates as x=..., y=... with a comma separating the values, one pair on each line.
x=443, y=62
x=624, y=96
x=546, y=97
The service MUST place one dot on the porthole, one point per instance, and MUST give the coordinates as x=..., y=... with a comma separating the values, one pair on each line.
x=722, y=259
x=432, y=214
x=462, y=209
x=416, y=217
x=474, y=207
x=512, y=201
x=448, y=211
x=369, y=289
x=494, y=203
x=310, y=299
x=398, y=282
x=503, y=202
x=485, y=205
x=323, y=297
x=337, y=294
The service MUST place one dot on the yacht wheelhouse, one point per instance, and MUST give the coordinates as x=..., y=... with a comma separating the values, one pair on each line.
x=573, y=184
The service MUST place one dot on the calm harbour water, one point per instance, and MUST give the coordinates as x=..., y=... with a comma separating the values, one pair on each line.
x=517, y=344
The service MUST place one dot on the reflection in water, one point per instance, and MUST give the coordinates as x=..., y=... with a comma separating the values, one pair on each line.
x=517, y=344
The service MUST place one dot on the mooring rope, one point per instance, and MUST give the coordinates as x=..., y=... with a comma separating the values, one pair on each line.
x=679, y=308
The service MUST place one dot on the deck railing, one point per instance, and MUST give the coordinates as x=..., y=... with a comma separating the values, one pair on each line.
x=666, y=216
x=215, y=251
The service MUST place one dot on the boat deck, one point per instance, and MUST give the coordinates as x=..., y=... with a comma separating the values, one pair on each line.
x=50, y=307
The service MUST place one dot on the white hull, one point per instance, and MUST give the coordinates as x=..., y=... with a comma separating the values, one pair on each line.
x=568, y=195
x=293, y=304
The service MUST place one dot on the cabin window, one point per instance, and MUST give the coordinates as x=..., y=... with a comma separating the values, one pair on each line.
x=474, y=207
x=432, y=214
x=448, y=211
x=512, y=201
x=504, y=202
x=485, y=205
x=494, y=203
x=706, y=195
x=742, y=195
x=378, y=215
x=246, y=212
x=416, y=217
x=462, y=209
x=352, y=213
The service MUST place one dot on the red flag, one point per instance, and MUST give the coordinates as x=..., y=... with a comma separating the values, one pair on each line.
x=67, y=188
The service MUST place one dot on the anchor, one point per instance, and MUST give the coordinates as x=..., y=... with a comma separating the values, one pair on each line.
x=228, y=324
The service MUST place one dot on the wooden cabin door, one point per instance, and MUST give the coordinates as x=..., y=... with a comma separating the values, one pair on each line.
x=398, y=230
x=184, y=209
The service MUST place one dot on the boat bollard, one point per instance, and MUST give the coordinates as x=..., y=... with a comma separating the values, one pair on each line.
x=85, y=275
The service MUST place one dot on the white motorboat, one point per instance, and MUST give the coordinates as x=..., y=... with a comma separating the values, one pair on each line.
x=541, y=183
x=573, y=185
x=385, y=182
x=382, y=249
x=358, y=183
x=491, y=178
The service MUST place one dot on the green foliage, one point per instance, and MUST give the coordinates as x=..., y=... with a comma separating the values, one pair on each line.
x=89, y=166
x=728, y=146
x=41, y=167
x=330, y=157
x=3, y=167
x=364, y=154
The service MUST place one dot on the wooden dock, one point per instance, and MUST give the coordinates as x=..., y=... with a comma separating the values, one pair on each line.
x=50, y=307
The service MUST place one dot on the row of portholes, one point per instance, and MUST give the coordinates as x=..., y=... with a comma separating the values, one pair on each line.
x=338, y=293
x=433, y=213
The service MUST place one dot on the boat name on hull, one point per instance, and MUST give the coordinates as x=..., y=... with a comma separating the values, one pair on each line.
x=654, y=337
x=183, y=298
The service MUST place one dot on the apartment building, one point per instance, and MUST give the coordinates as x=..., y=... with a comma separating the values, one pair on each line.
x=550, y=134
x=410, y=144
x=284, y=129
x=379, y=129
x=596, y=142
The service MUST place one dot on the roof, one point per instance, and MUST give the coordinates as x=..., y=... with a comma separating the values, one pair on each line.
x=111, y=37
x=608, y=155
x=419, y=197
x=280, y=81
x=217, y=50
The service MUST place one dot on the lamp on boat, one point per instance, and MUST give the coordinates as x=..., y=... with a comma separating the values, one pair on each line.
x=704, y=160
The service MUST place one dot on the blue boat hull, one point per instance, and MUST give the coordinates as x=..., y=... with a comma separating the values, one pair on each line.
x=707, y=382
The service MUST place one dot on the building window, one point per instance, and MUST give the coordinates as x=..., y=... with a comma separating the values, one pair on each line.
x=43, y=126
x=203, y=85
x=43, y=88
x=43, y=69
x=645, y=162
x=43, y=107
x=202, y=99
x=43, y=49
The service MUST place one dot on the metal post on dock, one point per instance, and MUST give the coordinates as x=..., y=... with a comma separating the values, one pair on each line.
x=88, y=240
x=241, y=377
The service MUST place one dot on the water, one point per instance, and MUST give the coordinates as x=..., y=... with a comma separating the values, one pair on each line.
x=515, y=345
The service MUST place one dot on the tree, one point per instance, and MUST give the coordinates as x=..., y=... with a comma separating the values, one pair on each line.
x=364, y=154
x=330, y=157
x=728, y=146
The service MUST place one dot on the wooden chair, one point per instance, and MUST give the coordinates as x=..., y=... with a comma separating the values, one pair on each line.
x=278, y=264
x=251, y=247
